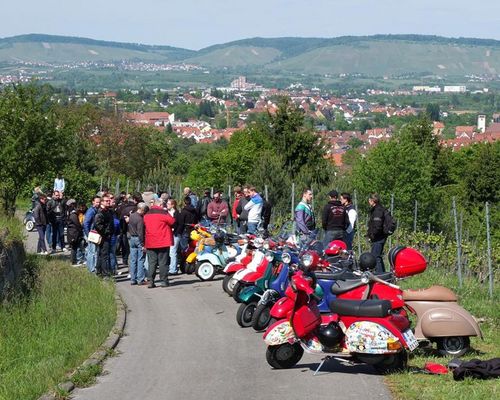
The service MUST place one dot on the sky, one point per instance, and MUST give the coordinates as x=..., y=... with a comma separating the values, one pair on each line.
x=195, y=24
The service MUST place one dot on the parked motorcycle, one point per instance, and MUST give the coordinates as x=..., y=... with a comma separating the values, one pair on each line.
x=370, y=331
x=212, y=260
x=29, y=221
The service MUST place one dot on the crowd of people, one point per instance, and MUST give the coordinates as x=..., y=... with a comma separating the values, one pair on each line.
x=150, y=231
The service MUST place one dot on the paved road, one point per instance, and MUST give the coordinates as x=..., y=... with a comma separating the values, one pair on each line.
x=183, y=342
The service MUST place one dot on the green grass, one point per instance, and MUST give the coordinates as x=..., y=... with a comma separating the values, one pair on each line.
x=42, y=339
x=473, y=296
x=12, y=227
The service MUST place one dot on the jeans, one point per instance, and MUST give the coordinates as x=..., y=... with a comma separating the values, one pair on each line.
x=75, y=249
x=158, y=257
x=113, y=262
x=252, y=227
x=348, y=239
x=333, y=235
x=103, y=265
x=173, y=255
x=137, y=258
x=377, y=249
x=41, y=238
x=58, y=234
x=91, y=255
x=80, y=252
x=48, y=236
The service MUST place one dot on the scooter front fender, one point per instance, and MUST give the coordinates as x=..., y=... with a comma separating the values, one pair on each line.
x=233, y=267
x=210, y=257
x=278, y=333
x=249, y=293
x=444, y=320
x=281, y=308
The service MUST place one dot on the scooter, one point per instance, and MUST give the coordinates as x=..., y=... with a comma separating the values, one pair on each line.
x=369, y=331
x=200, y=237
x=212, y=261
x=439, y=317
x=29, y=221
x=240, y=262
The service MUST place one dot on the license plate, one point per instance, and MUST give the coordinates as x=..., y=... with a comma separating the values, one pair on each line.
x=410, y=339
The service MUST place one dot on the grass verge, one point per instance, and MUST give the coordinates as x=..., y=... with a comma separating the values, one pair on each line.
x=67, y=317
x=473, y=296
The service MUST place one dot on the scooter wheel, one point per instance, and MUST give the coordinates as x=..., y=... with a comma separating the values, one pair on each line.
x=261, y=317
x=245, y=314
x=30, y=225
x=228, y=284
x=284, y=356
x=455, y=346
x=392, y=363
x=237, y=288
x=205, y=271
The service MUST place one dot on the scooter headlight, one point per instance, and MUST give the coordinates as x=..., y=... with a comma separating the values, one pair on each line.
x=286, y=258
x=269, y=256
x=307, y=260
x=266, y=245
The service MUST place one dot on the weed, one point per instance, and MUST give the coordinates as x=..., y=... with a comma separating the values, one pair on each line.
x=86, y=376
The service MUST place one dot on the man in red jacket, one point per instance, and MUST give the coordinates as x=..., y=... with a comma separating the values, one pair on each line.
x=158, y=239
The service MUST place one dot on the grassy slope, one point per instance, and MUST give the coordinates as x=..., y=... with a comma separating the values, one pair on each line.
x=40, y=341
x=236, y=56
x=473, y=297
x=72, y=52
x=395, y=57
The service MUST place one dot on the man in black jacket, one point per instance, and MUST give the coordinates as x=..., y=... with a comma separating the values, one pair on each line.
x=56, y=211
x=334, y=219
x=40, y=215
x=376, y=230
x=74, y=231
x=104, y=225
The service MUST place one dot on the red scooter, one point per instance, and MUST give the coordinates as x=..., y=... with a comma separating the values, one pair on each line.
x=371, y=331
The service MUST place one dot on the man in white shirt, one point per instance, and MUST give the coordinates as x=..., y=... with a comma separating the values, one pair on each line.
x=59, y=183
x=346, y=200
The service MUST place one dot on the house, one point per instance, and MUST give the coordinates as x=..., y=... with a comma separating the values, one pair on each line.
x=437, y=128
x=465, y=131
x=150, y=118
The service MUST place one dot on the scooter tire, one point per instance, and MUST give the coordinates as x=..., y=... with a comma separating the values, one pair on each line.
x=205, y=271
x=238, y=287
x=392, y=363
x=261, y=317
x=284, y=356
x=245, y=314
x=30, y=225
x=454, y=346
x=190, y=268
x=227, y=285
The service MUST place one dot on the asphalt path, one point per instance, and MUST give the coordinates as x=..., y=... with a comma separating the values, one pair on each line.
x=183, y=342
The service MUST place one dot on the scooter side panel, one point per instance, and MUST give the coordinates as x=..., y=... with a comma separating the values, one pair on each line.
x=279, y=333
x=368, y=338
x=443, y=319
x=211, y=258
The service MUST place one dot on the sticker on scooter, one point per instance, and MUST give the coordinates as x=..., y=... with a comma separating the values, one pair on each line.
x=368, y=337
x=279, y=334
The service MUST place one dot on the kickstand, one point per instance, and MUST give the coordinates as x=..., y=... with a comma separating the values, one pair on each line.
x=327, y=358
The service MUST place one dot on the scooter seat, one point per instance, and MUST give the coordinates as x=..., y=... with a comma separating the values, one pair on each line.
x=340, y=286
x=361, y=308
x=434, y=293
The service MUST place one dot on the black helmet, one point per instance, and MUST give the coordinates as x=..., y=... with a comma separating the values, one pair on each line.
x=367, y=261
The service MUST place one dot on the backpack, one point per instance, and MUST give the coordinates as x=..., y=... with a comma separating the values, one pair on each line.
x=390, y=223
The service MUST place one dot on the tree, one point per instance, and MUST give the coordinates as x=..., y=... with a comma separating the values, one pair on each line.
x=433, y=111
x=354, y=142
x=30, y=141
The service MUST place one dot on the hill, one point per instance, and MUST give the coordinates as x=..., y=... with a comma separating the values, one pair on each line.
x=50, y=48
x=376, y=55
